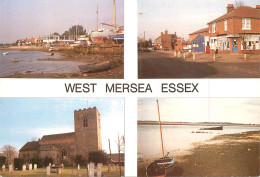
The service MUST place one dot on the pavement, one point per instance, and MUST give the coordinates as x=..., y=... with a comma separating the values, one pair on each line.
x=163, y=64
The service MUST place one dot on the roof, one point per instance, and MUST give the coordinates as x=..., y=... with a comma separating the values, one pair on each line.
x=173, y=35
x=57, y=136
x=240, y=12
x=201, y=31
x=30, y=146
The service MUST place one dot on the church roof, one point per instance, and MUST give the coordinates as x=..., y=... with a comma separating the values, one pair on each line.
x=30, y=146
x=57, y=136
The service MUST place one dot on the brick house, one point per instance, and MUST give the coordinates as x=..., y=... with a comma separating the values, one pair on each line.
x=63, y=148
x=237, y=31
x=165, y=41
x=204, y=32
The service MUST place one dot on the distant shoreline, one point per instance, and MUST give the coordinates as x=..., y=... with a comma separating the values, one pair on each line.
x=195, y=123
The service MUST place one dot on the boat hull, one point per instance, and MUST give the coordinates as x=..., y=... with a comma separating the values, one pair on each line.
x=159, y=167
x=213, y=128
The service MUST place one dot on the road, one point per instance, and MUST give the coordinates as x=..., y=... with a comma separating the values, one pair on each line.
x=162, y=64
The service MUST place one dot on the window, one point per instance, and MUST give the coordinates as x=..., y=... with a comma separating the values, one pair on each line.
x=214, y=29
x=64, y=153
x=85, y=122
x=225, y=25
x=195, y=44
x=246, y=24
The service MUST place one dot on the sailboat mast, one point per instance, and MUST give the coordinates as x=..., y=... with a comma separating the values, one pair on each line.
x=115, y=14
x=160, y=127
x=97, y=17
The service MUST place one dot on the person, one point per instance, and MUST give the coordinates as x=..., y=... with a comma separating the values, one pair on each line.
x=216, y=49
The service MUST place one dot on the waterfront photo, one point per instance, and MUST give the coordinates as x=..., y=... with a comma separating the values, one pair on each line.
x=62, y=137
x=198, y=136
x=62, y=39
x=198, y=39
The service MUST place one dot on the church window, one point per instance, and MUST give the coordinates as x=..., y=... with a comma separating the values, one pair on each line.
x=64, y=153
x=85, y=122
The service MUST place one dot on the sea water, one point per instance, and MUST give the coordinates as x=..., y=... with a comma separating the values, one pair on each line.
x=29, y=63
x=177, y=137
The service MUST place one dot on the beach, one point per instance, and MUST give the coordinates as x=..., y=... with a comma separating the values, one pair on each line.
x=224, y=155
x=64, y=64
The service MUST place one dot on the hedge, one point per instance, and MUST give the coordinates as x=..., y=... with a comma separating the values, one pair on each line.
x=18, y=163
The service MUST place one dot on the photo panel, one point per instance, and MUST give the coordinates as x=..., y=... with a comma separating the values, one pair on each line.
x=198, y=136
x=62, y=39
x=198, y=39
x=68, y=136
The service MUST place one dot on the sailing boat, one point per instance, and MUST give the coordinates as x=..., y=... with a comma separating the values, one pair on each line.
x=160, y=166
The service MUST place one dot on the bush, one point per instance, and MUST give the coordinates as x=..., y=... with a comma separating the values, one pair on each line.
x=46, y=161
x=79, y=160
x=18, y=163
x=97, y=157
x=2, y=161
x=38, y=161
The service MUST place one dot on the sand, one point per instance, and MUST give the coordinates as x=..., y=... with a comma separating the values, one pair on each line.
x=224, y=155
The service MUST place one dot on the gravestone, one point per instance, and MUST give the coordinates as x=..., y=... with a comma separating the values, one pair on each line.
x=11, y=168
x=91, y=170
x=49, y=164
x=30, y=167
x=24, y=167
x=78, y=166
x=3, y=168
x=35, y=166
x=48, y=170
x=99, y=165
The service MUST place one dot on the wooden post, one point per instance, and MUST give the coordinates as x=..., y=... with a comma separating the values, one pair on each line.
x=193, y=55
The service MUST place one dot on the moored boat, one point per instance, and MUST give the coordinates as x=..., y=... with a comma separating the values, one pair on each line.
x=5, y=53
x=213, y=128
x=14, y=60
x=50, y=54
x=91, y=68
x=161, y=166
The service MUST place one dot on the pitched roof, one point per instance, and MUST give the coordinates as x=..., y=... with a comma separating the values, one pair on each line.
x=57, y=136
x=201, y=31
x=30, y=146
x=240, y=12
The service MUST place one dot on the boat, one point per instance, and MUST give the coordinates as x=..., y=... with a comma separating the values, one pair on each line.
x=97, y=67
x=14, y=60
x=50, y=54
x=5, y=53
x=213, y=128
x=161, y=166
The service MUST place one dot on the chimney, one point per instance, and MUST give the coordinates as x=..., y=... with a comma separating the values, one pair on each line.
x=257, y=7
x=230, y=8
x=166, y=31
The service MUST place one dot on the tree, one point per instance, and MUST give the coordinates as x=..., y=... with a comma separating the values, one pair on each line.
x=239, y=3
x=97, y=157
x=120, y=147
x=55, y=33
x=10, y=153
x=109, y=152
x=76, y=29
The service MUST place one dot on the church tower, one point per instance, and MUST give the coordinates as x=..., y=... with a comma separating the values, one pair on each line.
x=87, y=131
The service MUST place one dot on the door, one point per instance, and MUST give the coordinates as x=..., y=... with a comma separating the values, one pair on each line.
x=234, y=45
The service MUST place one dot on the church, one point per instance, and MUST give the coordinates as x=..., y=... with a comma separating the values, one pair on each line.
x=63, y=148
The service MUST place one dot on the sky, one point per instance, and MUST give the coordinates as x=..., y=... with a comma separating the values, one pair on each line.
x=22, y=119
x=234, y=110
x=180, y=16
x=33, y=18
